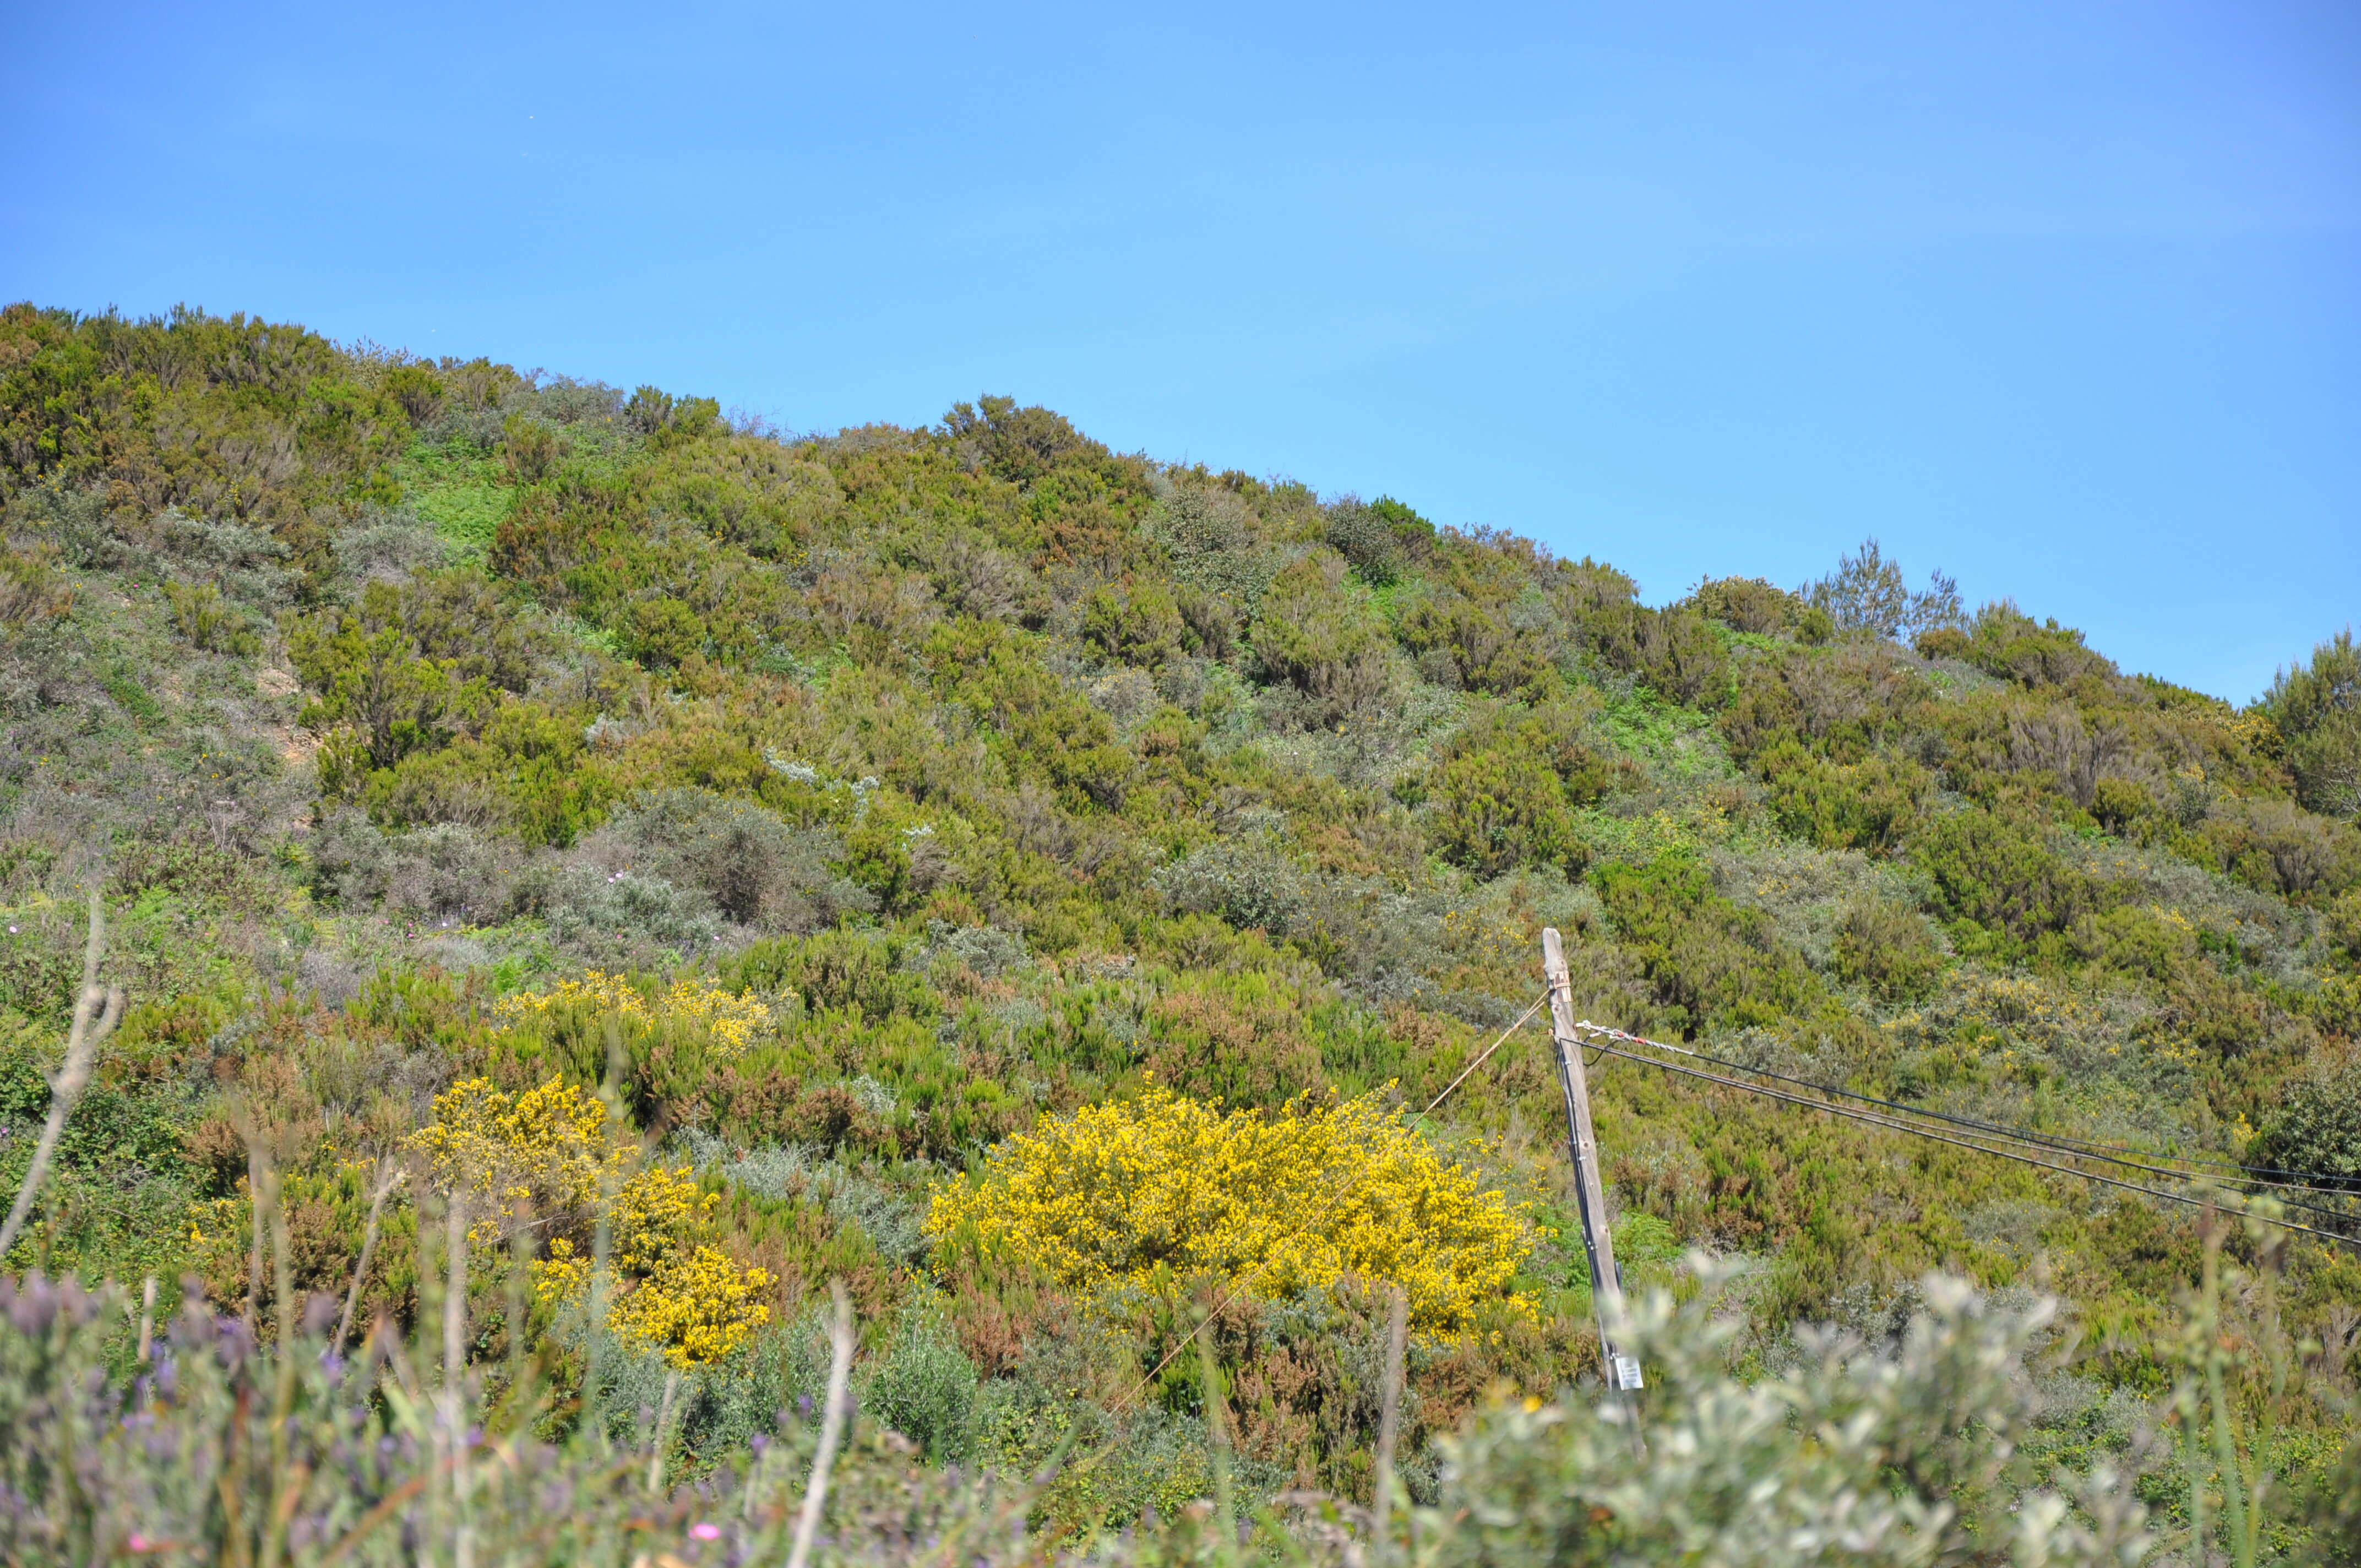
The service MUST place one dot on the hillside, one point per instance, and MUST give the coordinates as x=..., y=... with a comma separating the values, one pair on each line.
x=848, y=805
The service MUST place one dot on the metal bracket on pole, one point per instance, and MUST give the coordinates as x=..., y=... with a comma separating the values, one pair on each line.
x=1622, y=1368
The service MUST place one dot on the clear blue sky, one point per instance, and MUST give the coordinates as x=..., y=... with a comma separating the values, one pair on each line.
x=2062, y=298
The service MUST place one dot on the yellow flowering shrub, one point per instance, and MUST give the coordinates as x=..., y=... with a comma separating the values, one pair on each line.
x=656, y=1216
x=554, y=1150
x=546, y=1151
x=671, y=1287
x=736, y=1021
x=697, y=1308
x=1116, y=1193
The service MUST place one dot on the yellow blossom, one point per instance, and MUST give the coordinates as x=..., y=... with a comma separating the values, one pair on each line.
x=736, y=1020
x=1115, y=1193
x=669, y=1285
x=548, y=1150
x=696, y=1309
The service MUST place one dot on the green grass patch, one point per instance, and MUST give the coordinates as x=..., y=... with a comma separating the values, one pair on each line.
x=464, y=498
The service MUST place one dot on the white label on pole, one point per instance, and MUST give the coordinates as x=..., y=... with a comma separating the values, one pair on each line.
x=1627, y=1371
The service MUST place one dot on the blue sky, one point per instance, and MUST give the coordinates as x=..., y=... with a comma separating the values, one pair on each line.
x=2059, y=298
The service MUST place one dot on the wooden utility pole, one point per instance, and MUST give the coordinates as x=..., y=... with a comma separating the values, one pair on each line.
x=1622, y=1370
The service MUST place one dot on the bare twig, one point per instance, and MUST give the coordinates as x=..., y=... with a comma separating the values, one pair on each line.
x=831, y=1426
x=663, y=1423
x=1390, y=1426
x=389, y=1177
x=97, y=1012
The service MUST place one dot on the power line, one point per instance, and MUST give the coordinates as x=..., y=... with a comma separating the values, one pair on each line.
x=1989, y=1129
x=2080, y=1147
x=1902, y=1126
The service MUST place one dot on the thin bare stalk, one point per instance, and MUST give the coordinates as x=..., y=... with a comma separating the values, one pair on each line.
x=388, y=1177
x=97, y=1012
x=594, y=1413
x=1216, y=1401
x=283, y=1477
x=831, y=1426
x=146, y=1320
x=663, y=1424
x=434, y=1307
x=520, y=1293
x=455, y=1339
x=253, y=1201
x=1389, y=1427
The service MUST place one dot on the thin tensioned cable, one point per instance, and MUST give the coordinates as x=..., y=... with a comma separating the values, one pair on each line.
x=1237, y=1286
x=1895, y=1124
x=2081, y=1148
x=1987, y=1129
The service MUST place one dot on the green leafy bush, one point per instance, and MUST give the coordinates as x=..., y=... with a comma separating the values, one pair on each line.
x=32, y=589
x=1505, y=791
x=2319, y=1125
x=2001, y=880
x=1319, y=633
x=200, y=615
x=1709, y=960
x=1876, y=804
x=1136, y=623
x=1886, y=948
x=926, y=1387
x=2317, y=710
x=1381, y=540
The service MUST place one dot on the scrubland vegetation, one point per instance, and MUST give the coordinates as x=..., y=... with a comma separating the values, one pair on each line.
x=585, y=873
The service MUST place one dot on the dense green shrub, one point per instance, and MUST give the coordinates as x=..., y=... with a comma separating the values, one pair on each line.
x=1886, y=948
x=925, y=1388
x=2317, y=710
x=32, y=590
x=200, y=615
x=1876, y=804
x=2005, y=642
x=1753, y=605
x=1382, y=539
x=1317, y=632
x=1711, y=961
x=2001, y=880
x=1136, y=623
x=2317, y=1128
x=1503, y=793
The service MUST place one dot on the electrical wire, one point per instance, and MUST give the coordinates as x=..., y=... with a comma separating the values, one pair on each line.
x=1898, y=1126
x=1987, y=1129
x=2080, y=1147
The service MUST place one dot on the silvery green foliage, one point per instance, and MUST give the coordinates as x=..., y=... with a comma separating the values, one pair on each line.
x=1248, y=885
x=388, y=546
x=592, y=913
x=926, y=1387
x=1209, y=535
x=894, y=1224
x=1899, y=1457
x=757, y=871
x=445, y=872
